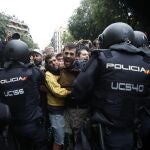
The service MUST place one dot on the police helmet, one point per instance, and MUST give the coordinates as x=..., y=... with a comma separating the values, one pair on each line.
x=17, y=50
x=140, y=39
x=116, y=33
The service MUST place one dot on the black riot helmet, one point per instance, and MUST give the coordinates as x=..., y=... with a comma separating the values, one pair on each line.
x=140, y=39
x=116, y=33
x=17, y=50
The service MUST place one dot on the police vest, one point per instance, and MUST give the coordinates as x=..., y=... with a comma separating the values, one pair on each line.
x=121, y=85
x=20, y=92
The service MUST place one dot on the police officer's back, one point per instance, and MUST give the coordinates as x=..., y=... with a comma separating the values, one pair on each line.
x=19, y=90
x=141, y=42
x=117, y=78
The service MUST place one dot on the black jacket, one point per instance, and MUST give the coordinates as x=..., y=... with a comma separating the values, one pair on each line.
x=118, y=79
x=19, y=90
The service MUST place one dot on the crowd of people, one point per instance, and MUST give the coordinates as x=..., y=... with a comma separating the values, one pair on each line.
x=90, y=96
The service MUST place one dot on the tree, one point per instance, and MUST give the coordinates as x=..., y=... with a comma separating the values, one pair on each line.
x=82, y=24
x=3, y=23
x=29, y=41
x=106, y=12
x=140, y=15
x=93, y=16
x=67, y=37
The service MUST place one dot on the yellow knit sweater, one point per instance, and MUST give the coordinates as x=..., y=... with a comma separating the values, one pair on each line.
x=56, y=94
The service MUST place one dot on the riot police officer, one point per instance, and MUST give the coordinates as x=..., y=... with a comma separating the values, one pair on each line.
x=19, y=90
x=141, y=41
x=117, y=80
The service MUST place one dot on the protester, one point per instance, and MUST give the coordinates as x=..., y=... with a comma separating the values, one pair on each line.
x=82, y=58
x=74, y=115
x=96, y=44
x=55, y=97
x=60, y=59
x=37, y=58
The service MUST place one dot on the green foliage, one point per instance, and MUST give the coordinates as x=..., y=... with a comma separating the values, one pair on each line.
x=82, y=24
x=67, y=37
x=93, y=16
x=29, y=41
x=2, y=33
x=114, y=11
x=3, y=23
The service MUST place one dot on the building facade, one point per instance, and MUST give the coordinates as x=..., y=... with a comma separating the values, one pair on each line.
x=13, y=24
x=56, y=40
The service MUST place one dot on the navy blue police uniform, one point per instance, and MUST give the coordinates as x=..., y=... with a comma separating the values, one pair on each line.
x=141, y=42
x=19, y=90
x=118, y=79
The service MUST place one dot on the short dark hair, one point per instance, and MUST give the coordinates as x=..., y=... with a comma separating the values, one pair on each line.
x=70, y=46
x=59, y=55
x=49, y=56
x=82, y=48
x=83, y=43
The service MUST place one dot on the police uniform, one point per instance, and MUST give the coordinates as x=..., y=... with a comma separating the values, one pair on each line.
x=19, y=90
x=141, y=42
x=118, y=78
x=20, y=93
x=6, y=139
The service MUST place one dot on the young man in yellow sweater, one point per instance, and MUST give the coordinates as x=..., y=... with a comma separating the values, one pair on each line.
x=55, y=97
